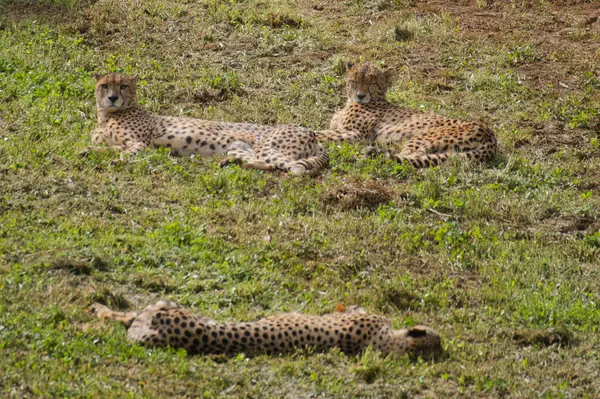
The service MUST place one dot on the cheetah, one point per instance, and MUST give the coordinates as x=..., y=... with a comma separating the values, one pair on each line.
x=428, y=139
x=124, y=126
x=352, y=331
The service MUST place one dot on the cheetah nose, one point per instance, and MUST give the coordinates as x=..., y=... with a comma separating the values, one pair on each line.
x=361, y=96
x=113, y=98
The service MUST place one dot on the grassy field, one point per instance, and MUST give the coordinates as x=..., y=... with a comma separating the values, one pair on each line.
x=503, y=259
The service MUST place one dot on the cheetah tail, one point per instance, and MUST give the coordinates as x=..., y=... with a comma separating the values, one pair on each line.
x=417, y=160
x=484, y=153
x=421, y=160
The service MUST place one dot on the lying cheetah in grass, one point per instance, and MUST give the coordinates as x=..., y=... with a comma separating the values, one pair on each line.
x=428, y=139
x=166, y=323
x=125, y=127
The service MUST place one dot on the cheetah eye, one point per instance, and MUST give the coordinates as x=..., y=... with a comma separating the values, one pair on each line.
x=124, y=87
x=353, y=84
x=104, y=86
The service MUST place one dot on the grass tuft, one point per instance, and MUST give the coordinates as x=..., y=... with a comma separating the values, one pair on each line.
x=554, y=336
x=73, y=266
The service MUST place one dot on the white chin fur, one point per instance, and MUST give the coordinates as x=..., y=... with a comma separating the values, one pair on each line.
x=110, y=107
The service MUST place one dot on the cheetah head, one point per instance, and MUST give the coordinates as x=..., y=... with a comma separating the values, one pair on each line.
x=114, y=92
x=419, y=341
x=366, y=82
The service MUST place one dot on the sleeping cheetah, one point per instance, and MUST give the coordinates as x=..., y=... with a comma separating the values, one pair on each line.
x=166, y=323
x=428, y=139
x=124, y=126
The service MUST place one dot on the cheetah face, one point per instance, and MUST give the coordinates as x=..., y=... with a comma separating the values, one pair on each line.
x=114, y=92
x=366, y=82
x=423, y=341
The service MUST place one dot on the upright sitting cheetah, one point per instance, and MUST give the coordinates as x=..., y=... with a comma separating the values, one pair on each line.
x=165, y=323
x=124, y=126
x=428, y=139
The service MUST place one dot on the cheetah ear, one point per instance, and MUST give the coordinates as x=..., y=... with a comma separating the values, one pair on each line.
x=96, y=75
x=133, y=79
x=417, y=332
x=347, y=66
x=389, y=74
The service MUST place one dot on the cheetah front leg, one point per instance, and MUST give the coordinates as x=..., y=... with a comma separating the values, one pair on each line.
x=98, y=139
x=133, y=147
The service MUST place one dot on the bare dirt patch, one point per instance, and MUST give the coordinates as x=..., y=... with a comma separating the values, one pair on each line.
x=355, y=195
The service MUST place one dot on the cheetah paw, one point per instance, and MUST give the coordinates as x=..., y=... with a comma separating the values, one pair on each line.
x=98, y=309
x=372, y=152
x=231, y=161
x=259, y=164
x=297, y=170
x=87, y=151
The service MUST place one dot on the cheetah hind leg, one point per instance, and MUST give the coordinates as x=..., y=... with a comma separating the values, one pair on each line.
x=104, y=313
x=276, y=159
x=311, y=165
x=128, y=318
x=237, y=153
x=241, y=153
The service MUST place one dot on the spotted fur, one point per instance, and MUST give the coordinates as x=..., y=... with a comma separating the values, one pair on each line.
x=125, y=127
x=167, y=324
x=428, y=139
x=289, y=148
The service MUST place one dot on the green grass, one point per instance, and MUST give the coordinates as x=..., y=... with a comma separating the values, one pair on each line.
x=501, y=258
